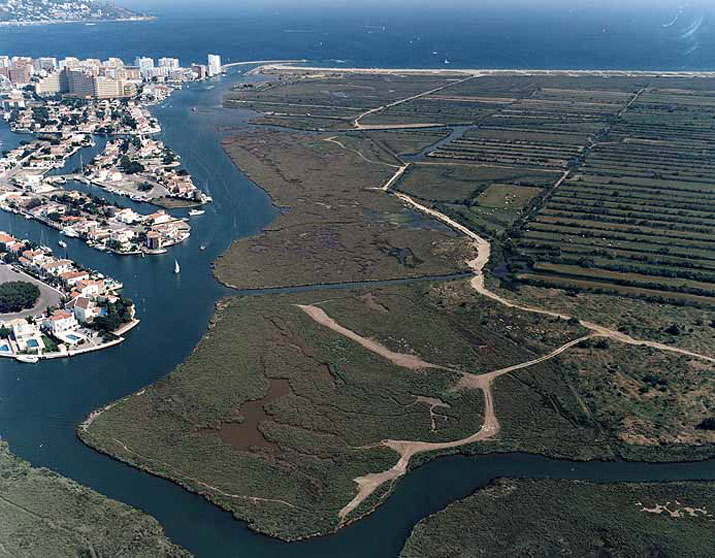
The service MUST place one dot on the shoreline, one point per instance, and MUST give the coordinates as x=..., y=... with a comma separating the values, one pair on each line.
x=22, y=23
x=490, y=71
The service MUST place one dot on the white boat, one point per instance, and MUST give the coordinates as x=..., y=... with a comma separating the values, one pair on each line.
x=27, y=358
x=70, y=232
x=195, y=212
x=202, y=247
x=177, y=269
x=62, y=243
x=28, y=217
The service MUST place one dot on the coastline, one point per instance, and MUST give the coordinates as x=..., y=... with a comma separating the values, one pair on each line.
x=22, y=23
x=488, y=71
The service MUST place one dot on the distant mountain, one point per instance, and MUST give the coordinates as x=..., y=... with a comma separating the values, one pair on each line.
x=62, y=11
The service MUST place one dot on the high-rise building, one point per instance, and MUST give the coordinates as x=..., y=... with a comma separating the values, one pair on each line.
x=199, y=70
x=113, y=63
x=70, y=62
x=168, y=62
x=79, y=84
x=214, y=64
x=107, y=88
x=19, y=75
x=46, y=63
x=129, y=73
x=51, y=84
x=143, y=63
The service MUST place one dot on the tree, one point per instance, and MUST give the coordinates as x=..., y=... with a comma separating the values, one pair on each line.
x=18, y=295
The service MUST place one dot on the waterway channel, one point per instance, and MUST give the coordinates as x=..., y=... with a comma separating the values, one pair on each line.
x=41, y=405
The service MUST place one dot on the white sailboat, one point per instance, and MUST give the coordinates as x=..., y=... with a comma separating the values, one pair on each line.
x=177, y=269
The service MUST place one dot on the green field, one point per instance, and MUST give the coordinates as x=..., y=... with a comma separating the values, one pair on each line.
x=336, y=225
x=638, y=212
x=44, y=514
x=544, y=518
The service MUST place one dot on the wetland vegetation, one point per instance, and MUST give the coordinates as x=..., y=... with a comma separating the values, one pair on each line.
x=300, y=412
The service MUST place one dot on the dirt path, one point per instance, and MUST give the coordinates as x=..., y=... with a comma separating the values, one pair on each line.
x=406, y=449
x=333, y=139
x=359, y=117
x=403, y=360
x=477, y=265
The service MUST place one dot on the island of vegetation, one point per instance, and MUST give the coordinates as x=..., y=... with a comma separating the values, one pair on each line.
x=541, y=518
x=17, y=295
x=45, y=514
x=577, y=203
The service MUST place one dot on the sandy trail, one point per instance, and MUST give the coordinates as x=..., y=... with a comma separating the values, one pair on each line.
x=336, y=141
x=477, y=265
x=359, y=117
x=406, y=449
x=367, y=484
x=404, y=360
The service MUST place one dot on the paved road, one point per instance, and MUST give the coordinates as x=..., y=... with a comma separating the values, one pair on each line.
x=48, y=296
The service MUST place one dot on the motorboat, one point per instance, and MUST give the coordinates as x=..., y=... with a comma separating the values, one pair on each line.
x=196, y=212
x=177, y=268
x=31, y=359
x=62, y=243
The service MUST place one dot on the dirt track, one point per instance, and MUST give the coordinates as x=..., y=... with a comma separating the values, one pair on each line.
x=406, y=449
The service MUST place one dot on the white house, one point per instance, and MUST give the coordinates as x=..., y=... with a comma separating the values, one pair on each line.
x=72, y=277
x=127, y=216
x=84, y=309
x=60, y=322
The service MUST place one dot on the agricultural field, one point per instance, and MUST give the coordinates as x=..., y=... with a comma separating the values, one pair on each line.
x=328, y=101
x=44, y=514
x=300, y=412
x=485, y=198
x=542, y=518
x=407, y=143
x=636, y=218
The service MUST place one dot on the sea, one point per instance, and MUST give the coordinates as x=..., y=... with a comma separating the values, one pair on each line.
x=41, y=405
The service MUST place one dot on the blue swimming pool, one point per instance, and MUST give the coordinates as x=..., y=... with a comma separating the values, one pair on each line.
x=73, y=337
x=33, y=343
x=4, y=349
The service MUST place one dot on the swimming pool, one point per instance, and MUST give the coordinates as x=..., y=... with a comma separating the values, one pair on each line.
x=33, y=343
x=4, y=348
x=73, y=337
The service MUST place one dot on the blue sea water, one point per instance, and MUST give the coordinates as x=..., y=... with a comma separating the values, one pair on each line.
x=41, y=405
x=530, y=34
